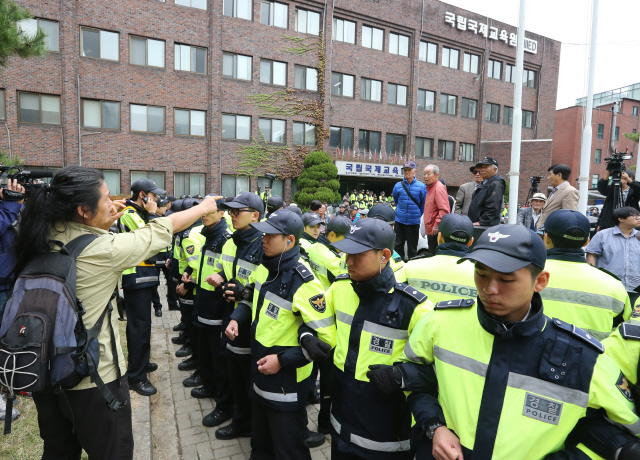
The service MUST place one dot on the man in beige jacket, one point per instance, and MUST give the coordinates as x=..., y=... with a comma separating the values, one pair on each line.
x=562, y=196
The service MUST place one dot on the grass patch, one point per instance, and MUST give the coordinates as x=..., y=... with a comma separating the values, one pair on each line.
x=24, y=442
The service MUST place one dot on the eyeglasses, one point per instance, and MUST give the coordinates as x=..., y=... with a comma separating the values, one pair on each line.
x=236, y=212
x=476, y=173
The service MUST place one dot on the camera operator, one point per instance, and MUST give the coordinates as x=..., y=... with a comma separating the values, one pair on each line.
x=9, y=211
x=76, y=202
x=630, y=197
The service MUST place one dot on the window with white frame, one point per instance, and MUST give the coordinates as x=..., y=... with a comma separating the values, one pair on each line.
x=396, y=94
x=470, y=63
x=238, y=9
x=146, y=118
x=469, y=108
x=305, y=78
x=426, y=100
x=189, y=123
x=307, y=22
x=189, y=184
x=273, y=130
x=99, y=44
x=236, y=127
x=275, y=14
x=273, y=72
x=467, y=152
x=424, y=147
x=492, y=112
x=112, y=179
x=370, y=90
x=446, y=150
x=494, y=70
x=527, y=120
x=372, y=37
x=199, y=4
x=236, y=66
x=191, y=58
x=529, y=78
x=100, y=114
x=450, y=57
x=232, y=185
x=342, y=84
x=146, y=51
x=344, y=31
x=29, y=27
x=39, y=108
x=155, y=176
x=428, y=52
x=369, y=140
x=341, y=137
x=304, y=134
x=448, y=104
x=398, y=44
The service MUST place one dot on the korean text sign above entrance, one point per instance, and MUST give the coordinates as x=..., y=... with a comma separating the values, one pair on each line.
x=352, y=168
x=462, y=23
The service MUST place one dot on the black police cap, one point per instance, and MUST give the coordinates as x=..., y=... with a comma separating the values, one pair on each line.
x=339, y=225
x=281, y=222
x=274, y=202
x=383, y=212
x=309, y=219
x=367, y=234
x=295, y=209
x=456, y=223
x=245, y=200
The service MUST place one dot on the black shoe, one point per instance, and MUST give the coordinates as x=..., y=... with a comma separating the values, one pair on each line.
x=314, y=439
x=143, y=388
x=188, y=364
x=178, y=327
x=201, y=393
x=174, y=306
x=183, y=352
x=150, y=367
x=226, y=432
x=158, y=312
x=194, y=380
x=180, y=340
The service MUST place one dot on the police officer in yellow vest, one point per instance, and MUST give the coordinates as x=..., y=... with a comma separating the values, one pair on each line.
x=280, y=294
x=388, y=215
x=240, y=258
x=440, y=276
x=511, y=382
x=374, y=316
x=311, y=223
x=578, y=293
x=138, y=284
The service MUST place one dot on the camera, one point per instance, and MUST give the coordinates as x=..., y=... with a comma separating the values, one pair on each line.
x=615, y=163
x=30, y=180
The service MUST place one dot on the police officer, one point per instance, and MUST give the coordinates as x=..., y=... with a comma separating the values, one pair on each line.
x=511, y=382
x=374, y=316
x=324, y=259
x=578, y=293
x=240, y=257
x=388, y=215
x=311, y=223
x=138, y=284
x=162, y=258
x=440, y=276
x=209, y=309
x=274, y=203
x=284, y=292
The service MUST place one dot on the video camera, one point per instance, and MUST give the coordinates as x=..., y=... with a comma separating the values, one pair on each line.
x=28, y=179
x=615, y=163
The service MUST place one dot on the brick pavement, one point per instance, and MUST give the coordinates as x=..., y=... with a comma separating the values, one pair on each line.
x=176, y=417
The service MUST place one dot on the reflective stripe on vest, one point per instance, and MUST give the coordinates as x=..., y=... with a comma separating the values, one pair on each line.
x=239, y=351
x=186, y=301
x=211, y=257
x=146, y=279
x=279, y=301
x=210, y=322
x=400, y=446
x=385, y=331
x=325, y=322
x=280, y=397
x=343, y=317
x=583, y=298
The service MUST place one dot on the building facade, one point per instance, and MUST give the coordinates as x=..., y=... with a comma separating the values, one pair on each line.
x=569, y=125
x=196, y=94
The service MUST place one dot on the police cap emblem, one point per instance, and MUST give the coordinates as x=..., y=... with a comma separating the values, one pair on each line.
x=318, y=303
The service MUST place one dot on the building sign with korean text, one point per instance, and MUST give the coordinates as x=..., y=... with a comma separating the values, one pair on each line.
x=493, y=33
x=354, y=168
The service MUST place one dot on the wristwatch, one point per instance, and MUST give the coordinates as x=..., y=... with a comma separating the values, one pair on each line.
x=431, y=430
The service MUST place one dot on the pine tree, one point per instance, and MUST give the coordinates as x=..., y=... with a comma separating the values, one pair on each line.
x=318, y=180
x=12, y=40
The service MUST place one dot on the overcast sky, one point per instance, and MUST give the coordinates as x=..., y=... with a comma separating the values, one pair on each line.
x=617, y=60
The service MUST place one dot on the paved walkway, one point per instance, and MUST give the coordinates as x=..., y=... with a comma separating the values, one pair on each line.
x=168, y=425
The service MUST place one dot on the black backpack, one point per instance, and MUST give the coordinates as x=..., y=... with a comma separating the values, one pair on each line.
x=44, y=345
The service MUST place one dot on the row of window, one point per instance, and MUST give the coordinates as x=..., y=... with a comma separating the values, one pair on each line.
x=616, y=133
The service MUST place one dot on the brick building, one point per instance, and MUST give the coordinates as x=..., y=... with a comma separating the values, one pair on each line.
x=163, y=89
x=569, y=123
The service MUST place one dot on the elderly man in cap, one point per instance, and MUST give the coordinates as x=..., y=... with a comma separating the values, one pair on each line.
x=530, y=215
x=409, y=195
x=465, y=192
x=486, y=204
x=354, y=215
x=139, y=284
x=506, y=375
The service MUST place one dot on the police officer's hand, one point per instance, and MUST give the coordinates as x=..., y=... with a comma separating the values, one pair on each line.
x=446, y=445
x=383, y=378
x=269, y=365
x=208, y=205
x=14, y=187
x=316, y=348
x=233, y=290
x=232, y=330
x=180, y=289
x=186, y=278
x=167, y=263
x=215, y=280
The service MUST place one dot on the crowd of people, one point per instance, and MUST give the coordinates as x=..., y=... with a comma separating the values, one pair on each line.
x=504, y=341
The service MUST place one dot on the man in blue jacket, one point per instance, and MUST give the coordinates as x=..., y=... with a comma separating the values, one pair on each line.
x=409, y=196
x=9, y=209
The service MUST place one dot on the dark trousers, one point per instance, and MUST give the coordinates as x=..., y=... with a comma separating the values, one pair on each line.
x=80, y=419
x=337, y=455
x=213, y=367
x=278, y=435
x=172, y=295
x=155, y=299
x=433, y=244
x=408, y=234
x=137, y=303
x=327, y=381
x=240, y=381
x=191, y=330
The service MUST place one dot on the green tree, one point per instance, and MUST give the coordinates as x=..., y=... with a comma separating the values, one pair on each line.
x=13, y=160
x=318, y=180
x=632, y=136
x=12, y=40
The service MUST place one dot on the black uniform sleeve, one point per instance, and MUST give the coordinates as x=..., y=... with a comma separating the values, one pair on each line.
x=600, y=436
x=492, y=203
x=603, y=186
x=418, y=377
x=242, y=313
x=293, y=357
x=425, y=409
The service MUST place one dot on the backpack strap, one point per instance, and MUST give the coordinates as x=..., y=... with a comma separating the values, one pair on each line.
x=78, y=244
